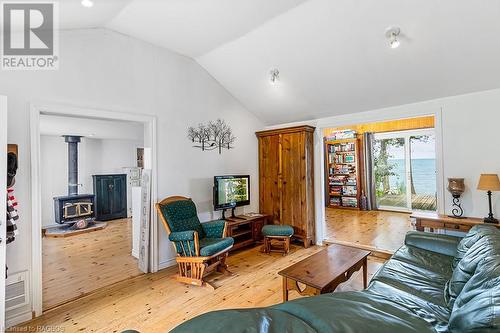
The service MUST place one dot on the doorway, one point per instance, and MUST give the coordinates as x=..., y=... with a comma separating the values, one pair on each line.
x=88, y=168
x=148, y=247
x=374, y=175
x=404, y=169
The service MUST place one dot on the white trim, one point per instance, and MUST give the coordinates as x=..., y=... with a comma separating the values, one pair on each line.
x=60, y=109
x=3, y=186
x=36, y=213
x=18, y=319
x=167, y=263
x=319, y=180
x=438, y=133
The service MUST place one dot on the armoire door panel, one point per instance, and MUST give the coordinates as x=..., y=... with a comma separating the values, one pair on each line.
x=268, y=180
x=292, y=203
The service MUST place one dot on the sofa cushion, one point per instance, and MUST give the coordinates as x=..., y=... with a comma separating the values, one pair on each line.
x=211, y=246
x=437, y=315
x=473, y=236
x=487, y=246
x=414, y=280
x=432, y=261
x=438, y=243
x=182, y=216
x=265, y=320
x=477, y=308
x=349, y=312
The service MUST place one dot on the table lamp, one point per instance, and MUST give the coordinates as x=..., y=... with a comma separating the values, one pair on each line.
x=489, y=183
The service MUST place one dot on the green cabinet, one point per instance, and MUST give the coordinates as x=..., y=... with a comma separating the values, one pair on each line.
x=110, y=196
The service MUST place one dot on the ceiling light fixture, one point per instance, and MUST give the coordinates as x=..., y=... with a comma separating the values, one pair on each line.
x=392, y=35
x=274, y=76
x=87, y=3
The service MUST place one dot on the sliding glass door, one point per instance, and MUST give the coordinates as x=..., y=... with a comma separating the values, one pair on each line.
x=404, y=167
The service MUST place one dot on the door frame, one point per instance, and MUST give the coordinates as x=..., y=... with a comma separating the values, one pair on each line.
x=3, y=186
x=406, y=136
x=150, y=140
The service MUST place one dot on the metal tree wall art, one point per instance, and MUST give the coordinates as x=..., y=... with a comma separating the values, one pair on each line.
x=215, y=135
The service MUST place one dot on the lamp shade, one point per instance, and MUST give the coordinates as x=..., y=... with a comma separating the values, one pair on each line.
x=489, y=182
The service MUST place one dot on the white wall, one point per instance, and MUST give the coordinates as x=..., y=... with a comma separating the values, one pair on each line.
x=469, y=126
x=101, y=69
x=95, y=156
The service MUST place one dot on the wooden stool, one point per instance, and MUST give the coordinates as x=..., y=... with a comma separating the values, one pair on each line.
x=280, y=233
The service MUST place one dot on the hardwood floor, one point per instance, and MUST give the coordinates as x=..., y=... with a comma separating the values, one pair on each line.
x=79, y=264
x=157, y=302
x=376, y=230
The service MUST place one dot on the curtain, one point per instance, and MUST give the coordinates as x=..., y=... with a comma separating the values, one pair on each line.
x=369, y=175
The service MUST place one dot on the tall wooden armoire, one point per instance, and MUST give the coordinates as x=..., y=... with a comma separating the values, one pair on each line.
x=286, y=179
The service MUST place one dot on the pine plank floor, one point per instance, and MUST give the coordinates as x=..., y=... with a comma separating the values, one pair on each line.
x=77, y=265
x=157, y=302
x=377, y=230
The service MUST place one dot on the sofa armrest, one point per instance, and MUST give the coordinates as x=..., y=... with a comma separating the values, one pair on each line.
x=443, y=244
x=214, y=229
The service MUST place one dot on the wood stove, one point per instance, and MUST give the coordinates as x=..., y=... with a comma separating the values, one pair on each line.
x=74, y=208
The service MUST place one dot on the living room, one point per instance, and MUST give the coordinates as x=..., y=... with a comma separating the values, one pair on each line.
x=251, y=88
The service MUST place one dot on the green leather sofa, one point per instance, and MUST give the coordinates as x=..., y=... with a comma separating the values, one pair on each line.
x=434, y=283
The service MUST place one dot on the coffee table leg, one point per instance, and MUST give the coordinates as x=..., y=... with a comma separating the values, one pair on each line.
x=365, y=273
x=285, y=289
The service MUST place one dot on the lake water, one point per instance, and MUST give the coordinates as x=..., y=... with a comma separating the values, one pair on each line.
x=424, y=174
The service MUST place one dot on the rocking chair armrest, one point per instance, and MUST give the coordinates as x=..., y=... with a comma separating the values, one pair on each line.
x=214, y=229
x=180, y=236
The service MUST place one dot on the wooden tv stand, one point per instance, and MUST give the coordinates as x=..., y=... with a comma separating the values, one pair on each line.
x=246, y=230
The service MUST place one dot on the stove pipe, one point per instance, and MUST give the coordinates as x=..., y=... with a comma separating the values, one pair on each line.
x=72, y=141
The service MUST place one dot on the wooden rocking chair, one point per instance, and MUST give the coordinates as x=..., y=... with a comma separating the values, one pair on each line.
x=201, y=247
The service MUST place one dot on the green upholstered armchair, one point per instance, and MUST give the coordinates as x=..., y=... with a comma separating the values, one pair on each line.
x=201, y=247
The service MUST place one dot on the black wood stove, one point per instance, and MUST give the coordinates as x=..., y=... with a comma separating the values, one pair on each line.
x=74, y=209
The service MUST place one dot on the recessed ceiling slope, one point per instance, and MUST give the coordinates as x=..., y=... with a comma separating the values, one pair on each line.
x=333, y=57
x=195, y=27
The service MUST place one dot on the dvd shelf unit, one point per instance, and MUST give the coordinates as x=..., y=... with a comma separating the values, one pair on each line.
x=343, y=183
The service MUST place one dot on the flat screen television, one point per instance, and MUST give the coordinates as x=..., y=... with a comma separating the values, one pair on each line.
x=231, y=192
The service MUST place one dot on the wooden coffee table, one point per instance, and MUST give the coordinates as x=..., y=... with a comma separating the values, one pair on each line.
x=324, y=271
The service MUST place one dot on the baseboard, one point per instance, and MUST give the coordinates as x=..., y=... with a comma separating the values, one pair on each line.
x=135, y=254
x=167, y=263
x=18, y=319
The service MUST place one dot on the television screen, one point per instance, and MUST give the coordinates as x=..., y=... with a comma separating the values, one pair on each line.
x=231, y=191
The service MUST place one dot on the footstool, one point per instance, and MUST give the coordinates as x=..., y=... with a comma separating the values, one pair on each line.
x=280, y=233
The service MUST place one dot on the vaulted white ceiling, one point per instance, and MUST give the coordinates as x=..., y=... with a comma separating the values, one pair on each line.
x=195, y=27
x=332, y=55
